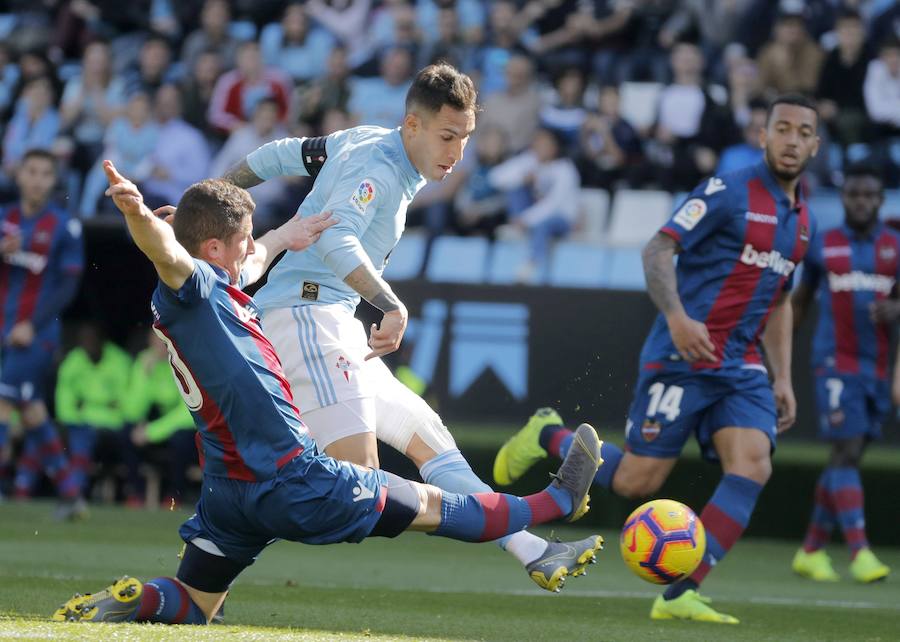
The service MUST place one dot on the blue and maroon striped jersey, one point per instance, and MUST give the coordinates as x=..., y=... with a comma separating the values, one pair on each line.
x=51, y=246
x=849, y=272
x=741, y=241
x=230, y=377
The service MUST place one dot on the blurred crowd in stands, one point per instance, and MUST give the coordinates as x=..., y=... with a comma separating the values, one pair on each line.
x=611, y=94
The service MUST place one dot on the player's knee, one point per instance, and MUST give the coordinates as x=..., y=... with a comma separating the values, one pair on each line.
x=846, y=453
x=757, y=467
x=34, y=414
x=6, y=410
x=635, y=486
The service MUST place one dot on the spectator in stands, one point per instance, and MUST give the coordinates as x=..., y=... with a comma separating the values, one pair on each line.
x=153, y=68
x=394, y=25
x=743, y=84
x=887, y=23
x=749, y=151
x=715, y=22
x=296, y=47
x=32, y=65
x=347, y=20
x=9, y=78
x=197, y=91
x=328, y=92
x=480, y=207
x=882, y=88
x=237, y=91
x=691, y=126
x=502, y=41
x=129, y=141
x=604, y=34
x=541, y=185
x=160, y=417
x=34, y=125
x=90, y=102
x=553, y=38
x=840, y=89
x=610, y=149
x=516, y=109
x=91, y=391
x=181, y=155
x=381, y=100
x=566, y=113
x=213, y=35
x=262, y=129
x=791, y=61
x=449, y=44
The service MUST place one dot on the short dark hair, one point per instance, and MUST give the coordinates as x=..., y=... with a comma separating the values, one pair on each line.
x=792, y=99
x=210, y=209
x=863, y=170
x=441, y=84
x=890, y=42
x=37, y=152
x=848, y=13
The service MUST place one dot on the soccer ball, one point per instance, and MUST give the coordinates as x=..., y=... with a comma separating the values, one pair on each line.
x=663, y=541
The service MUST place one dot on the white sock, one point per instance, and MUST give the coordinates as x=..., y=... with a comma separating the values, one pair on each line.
x=525, y=547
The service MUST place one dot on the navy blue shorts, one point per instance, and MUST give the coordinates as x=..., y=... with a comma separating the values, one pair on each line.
x=313, y=499
x=851, y=405
x=668, y=407
x=23, y=371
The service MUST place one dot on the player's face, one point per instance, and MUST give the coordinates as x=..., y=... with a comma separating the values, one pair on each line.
x=862, y=197
x=790, y=140
x=237, y=248
x=437, y=140
x=36, y=179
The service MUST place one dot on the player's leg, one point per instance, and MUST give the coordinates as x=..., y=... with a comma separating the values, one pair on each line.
x=408, y=424
x=483, y=517
x=81, y=439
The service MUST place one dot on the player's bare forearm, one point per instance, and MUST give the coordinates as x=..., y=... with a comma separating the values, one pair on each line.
x=800, y=302
x=266, y=248
x=241, y=175
x=659, y=272
x=370, y=286
x=296, y=235
x=777, y=339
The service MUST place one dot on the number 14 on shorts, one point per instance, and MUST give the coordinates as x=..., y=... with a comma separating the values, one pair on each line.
x=665, y=400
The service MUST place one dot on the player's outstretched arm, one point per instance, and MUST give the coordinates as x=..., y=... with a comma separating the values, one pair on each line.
x=152, y=235
x=295, y=235
x=777, y=340
x=282, y=157
x=385, y=338
x=690, y=337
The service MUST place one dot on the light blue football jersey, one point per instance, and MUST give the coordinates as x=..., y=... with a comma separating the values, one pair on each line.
x=367, y=182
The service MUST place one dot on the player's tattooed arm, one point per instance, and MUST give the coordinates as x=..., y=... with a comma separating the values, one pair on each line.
x=659, y=272
x=385, y=338
x=691, y=338
x=241, y=175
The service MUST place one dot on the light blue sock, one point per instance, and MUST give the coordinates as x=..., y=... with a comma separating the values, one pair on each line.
x=451, y=472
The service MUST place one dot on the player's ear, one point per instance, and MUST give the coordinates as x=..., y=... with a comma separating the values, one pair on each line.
x=211, y=249
x=411, y=122
x=762, y=135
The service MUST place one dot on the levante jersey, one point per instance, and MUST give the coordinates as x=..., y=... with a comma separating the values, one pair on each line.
x=51, y=246
x=741, y=240
x=849, y=273
x=230, y=377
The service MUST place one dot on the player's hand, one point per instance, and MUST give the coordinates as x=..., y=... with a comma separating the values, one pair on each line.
x=124, y=193
x=10, y=244
x=691, y=339
x=785, y=403
x=386, y=339
x=885, y=311
x=139, y=435
x=166, y=213
x=21, y=335
x=300, y=233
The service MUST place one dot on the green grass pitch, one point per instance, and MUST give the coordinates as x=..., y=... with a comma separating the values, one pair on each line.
x=416, y=588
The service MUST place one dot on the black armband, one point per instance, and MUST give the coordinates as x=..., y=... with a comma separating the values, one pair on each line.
x=314, y=154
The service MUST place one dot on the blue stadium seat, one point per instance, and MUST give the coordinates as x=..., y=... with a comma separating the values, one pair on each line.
x=625, y=269
x=407, y=258
x=456, y=259
x=637, y=215
x=506, y=261
x=827, y=208
x=578, y=265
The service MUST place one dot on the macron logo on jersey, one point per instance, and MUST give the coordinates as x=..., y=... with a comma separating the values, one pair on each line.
x=857, y=281
x=714, y=185
x=771, y=260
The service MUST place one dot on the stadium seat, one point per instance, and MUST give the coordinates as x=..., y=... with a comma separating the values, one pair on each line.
x=456, y=259
x=506, y=261
x=827, y=208
x=637, y=215
x=578, y=265
x=639, y=102
x=625, y=269
x=407, y=257
x=593, y=215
